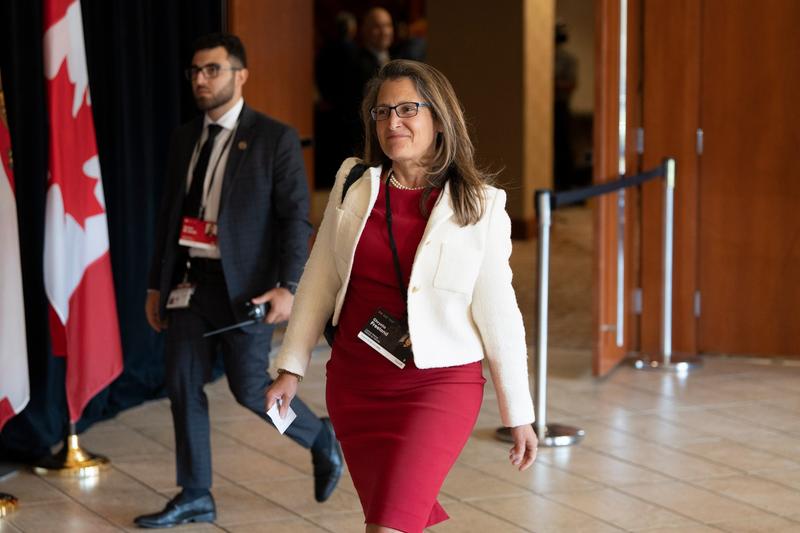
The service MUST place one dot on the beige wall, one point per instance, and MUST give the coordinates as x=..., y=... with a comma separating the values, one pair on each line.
x=538, y=70
x=277, y=35
x=500, y=61
x=579, y=17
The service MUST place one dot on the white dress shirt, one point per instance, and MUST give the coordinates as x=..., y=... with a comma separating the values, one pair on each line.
x=216, y=168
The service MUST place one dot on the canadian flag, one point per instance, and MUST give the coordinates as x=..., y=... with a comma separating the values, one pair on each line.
x=14, y=387
x=77, y=265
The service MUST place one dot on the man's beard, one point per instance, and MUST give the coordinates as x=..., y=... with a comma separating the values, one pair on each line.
x=213, y=101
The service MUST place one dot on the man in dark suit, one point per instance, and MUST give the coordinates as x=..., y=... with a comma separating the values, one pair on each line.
x=377, y=33
x=232, y=231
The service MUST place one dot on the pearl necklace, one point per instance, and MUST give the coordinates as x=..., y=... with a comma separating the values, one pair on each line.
x=397, y=185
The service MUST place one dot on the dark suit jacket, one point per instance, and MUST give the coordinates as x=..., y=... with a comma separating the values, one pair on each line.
x=263, y=223
x=367, y=67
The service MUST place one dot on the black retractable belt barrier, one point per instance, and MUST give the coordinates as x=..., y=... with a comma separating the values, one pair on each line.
x=561, y=199
x=546, y=201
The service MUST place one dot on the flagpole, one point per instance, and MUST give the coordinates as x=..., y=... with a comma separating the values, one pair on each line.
x=77, y=264
x=72, y=460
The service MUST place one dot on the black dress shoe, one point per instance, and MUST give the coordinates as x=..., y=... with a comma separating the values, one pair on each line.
x=180, y=510
x=328, y=463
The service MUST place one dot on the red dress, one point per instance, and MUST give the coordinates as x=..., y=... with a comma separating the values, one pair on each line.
x=401, y=430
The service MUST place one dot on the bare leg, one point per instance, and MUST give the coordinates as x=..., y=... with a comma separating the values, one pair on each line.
x=374, y=528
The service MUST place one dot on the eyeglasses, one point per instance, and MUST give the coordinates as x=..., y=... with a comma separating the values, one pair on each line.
x=210, y=71
x=403, y=110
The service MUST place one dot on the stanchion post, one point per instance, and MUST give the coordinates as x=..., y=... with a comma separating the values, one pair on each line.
x=668, y=240
x=666, y=360
x=550, y=435
x=543, y=295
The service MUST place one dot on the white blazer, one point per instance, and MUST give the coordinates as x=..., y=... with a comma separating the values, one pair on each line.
x=461, y=305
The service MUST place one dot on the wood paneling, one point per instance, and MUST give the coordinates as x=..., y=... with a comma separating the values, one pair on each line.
x=728, y=66
x=749, y=191
x=671, y=91
x=633, y=165
x=606, y=142
x=279, y=37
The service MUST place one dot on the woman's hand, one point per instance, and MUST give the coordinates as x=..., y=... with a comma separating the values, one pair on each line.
x=284, y=389
x=523, y=453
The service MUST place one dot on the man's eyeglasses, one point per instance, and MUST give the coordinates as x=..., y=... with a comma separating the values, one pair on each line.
x=210, y=71
x=403, y=110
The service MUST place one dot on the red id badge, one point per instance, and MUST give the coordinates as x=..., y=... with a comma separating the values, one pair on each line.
x=196, y=233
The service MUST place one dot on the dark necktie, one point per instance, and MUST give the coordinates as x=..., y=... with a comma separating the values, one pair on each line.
x=191, y=204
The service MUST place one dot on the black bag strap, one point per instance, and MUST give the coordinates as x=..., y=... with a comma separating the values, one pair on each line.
x=356, y=172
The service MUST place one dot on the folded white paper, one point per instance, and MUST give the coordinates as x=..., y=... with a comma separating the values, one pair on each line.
x=281, y=423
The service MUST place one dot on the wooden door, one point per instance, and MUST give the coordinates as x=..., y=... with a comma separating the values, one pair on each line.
x=749, y=214
x=670, y=115
x=607, y=354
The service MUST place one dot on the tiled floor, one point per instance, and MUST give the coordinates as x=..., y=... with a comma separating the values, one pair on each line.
x=718, y=450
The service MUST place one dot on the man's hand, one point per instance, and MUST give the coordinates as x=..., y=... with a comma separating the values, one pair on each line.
x=151, y=311
x=280, y=304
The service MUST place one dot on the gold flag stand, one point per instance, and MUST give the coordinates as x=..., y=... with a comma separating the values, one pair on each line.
x=72, y=460
x=7, y=504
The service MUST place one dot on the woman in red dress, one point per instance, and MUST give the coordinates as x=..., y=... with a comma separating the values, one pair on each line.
x=411, y=262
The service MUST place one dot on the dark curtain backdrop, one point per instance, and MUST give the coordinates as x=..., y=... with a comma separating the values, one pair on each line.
x=136, y=51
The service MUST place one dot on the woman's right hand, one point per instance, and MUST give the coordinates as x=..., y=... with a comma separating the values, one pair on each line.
x=285, y=389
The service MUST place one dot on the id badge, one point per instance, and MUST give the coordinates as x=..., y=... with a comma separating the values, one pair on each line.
x=388, y=336
x=196, y=233
x=180, y=296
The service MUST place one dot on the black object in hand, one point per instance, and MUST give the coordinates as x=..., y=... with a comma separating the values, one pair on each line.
x=255, y=313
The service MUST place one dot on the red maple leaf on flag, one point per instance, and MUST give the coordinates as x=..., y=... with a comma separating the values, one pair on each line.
x=76, y=159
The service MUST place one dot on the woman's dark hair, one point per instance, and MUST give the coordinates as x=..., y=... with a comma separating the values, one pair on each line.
x=454, y=158
x=231, y=43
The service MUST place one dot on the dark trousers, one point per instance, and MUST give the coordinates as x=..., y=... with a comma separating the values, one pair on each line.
x=190, y=359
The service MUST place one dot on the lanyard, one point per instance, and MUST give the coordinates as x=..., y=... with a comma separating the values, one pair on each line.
x=207, y=187
x=392, y=244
